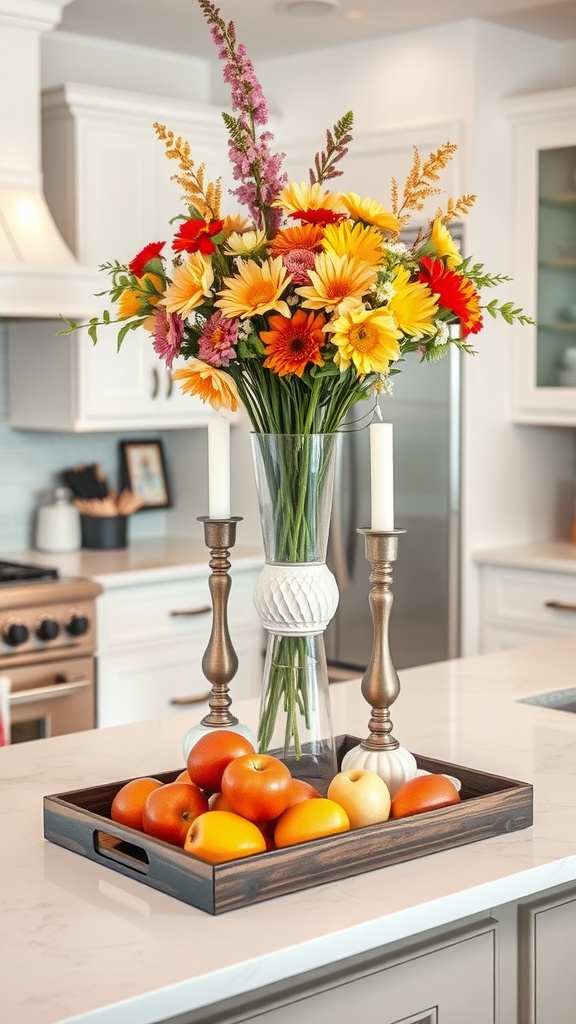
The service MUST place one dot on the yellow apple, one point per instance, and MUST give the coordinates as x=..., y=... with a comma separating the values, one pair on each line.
x=363, y=794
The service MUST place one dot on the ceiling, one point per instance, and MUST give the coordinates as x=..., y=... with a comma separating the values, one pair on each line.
x=269, y=30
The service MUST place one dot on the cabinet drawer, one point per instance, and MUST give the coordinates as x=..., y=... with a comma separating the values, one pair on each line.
x=524, y=598
x=166, y=611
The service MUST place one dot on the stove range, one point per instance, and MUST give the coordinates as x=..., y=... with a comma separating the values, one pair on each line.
x=20, y=572
x=47, y=644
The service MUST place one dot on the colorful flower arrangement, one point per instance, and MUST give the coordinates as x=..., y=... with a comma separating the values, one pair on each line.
x=310, y=304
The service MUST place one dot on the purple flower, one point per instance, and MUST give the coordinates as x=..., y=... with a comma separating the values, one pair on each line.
x=167, y=332
x=217, y=341
x=298, y=262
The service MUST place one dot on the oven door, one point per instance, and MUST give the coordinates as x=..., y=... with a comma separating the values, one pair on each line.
x=51, y=698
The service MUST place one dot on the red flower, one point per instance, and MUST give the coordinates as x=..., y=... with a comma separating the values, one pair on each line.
x=150, y=252
x=196, y=236
x=455, y=292
x=319, y=216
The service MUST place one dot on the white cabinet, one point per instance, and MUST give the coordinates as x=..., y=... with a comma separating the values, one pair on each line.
x=151, y=640
x=108, y=183
x=544, y=133
x=521, y=606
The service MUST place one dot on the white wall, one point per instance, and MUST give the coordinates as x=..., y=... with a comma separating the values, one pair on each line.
x=513, y=477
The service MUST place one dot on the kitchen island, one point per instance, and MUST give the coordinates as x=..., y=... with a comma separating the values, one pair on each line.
x=453, y=930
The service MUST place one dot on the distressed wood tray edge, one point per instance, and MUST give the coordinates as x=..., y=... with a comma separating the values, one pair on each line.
x=78, y=821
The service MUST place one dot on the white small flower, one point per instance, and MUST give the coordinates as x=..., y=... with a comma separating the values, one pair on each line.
x=384, y=385
x=398, y=248
x=443, y=334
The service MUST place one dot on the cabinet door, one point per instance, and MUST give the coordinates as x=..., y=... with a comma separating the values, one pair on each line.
x=520, y=607
x=153, y=682
x=452, y=981
x=544, y=128
x=547, y=984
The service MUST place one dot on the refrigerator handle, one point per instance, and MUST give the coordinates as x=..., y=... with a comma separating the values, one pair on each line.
x=342, y=538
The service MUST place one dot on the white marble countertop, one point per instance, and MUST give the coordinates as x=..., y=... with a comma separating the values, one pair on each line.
x=547, y=556
x=81, y=943
x=144, y=560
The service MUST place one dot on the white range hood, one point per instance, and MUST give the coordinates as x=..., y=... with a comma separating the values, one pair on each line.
x=39, y=275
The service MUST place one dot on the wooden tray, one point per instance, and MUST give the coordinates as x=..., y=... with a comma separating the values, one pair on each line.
x=80, y=821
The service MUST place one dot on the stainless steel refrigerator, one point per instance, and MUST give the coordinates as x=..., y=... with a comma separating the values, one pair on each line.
x=424, y=627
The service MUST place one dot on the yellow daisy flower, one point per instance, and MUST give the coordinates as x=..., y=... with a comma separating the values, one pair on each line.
x=371, y=212
x=338, y=283
x=366, y=337
x=191, y=284
x=444, y=245
x=412, y=305
x=300, y=197
x=255, y=290
x=245, y=243
x=209, y=384
x=354, y=239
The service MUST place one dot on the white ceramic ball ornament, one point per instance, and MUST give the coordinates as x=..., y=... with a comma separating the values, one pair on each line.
x=395, y=766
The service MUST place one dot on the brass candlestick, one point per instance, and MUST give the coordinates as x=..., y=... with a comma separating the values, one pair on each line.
x=380, y=751
x=220, y=661
x=380, y=684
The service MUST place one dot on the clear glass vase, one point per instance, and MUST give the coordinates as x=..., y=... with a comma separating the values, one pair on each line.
x=296, y=596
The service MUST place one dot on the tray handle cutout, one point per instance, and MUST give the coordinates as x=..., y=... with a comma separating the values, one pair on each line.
x=118, y=850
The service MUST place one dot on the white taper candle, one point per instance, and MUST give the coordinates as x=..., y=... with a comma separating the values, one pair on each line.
x=381, y=476
x=219, y=468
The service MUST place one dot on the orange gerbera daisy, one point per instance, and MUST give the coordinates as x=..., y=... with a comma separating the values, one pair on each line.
x=338, y=282
x=294, y=342
x=366, y=337
x=303, y=236
x=134, y=301
x=191, y=284
x=454, y=292
x=209, y=384
x=255, y=290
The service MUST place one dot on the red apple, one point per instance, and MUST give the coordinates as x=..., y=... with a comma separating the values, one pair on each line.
x=170, y=810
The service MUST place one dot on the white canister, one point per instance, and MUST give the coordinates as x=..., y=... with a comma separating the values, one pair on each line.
x=58, y=524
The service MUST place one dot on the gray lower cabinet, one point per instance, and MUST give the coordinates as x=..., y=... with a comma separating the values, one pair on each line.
x=513, y=965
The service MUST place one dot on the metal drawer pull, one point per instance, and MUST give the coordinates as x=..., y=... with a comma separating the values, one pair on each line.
x=202, y=610
x=48, y=692
x=182, y=702
x=561, y=606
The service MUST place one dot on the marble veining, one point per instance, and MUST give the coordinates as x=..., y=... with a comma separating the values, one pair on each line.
x=81, y=943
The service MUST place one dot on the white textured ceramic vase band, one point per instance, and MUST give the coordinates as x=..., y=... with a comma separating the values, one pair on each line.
x=296, y=599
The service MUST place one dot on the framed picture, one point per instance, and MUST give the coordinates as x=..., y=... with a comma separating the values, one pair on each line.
x=143, y=471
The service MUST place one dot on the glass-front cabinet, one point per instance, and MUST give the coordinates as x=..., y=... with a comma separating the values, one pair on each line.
x=544, y=133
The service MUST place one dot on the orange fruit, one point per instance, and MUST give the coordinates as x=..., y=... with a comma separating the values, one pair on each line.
x=257, y=786
x=211, y=754
x=219, y=836
x=217, y=802
x=300, y=790
x=183, y=777
x=310, y=819
x=424, y=793
x=128, y=804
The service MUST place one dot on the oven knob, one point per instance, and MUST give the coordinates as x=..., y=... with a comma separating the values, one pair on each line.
x=77, y=624
x=15, y=633
x=47, y=628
